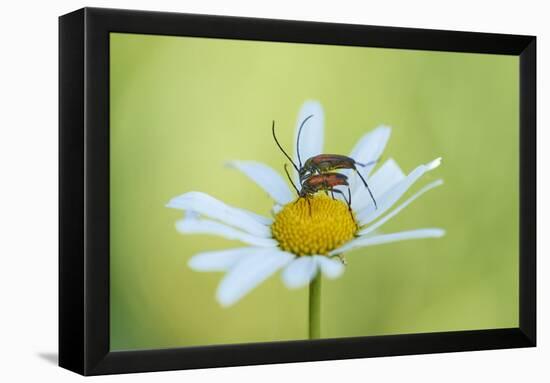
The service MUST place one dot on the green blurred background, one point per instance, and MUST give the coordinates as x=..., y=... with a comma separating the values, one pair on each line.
x=181, y=107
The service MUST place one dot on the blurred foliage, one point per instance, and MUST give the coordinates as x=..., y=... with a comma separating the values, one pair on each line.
x=182, y=107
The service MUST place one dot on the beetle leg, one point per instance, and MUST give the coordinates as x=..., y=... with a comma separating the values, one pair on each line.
x=348, y=200
x=343, y=195
x=349, y=207
x=367, y=164
x=341, y=258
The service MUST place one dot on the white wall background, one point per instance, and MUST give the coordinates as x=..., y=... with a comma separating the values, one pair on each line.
x=28, y=192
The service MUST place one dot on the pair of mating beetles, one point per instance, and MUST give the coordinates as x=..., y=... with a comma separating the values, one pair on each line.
x=318, y=172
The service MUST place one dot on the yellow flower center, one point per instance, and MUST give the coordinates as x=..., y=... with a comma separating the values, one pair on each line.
x=314, y=225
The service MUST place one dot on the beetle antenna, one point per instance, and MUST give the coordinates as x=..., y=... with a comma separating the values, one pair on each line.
x=282, y=150
x=367, y=186
x=290, y=179
x=298, y=139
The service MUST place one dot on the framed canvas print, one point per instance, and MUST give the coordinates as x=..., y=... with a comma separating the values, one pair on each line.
x=243, y=191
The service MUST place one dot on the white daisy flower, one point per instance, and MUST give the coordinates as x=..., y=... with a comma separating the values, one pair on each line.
x=304, y=237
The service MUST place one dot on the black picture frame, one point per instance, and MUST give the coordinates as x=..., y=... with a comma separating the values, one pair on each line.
x=84, y=190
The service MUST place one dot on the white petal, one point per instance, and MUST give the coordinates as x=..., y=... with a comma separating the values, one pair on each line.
x=260, y=218
x=331, y=268
x=387, y=238
x=368, y=149
x=312, y=137
x=299, y=272
x=206, y=226
x=388, y=175
x=371, y=146
x=211, y=207
x=266, y=178
x=369, y=213
x=394, y=212
x=249, y=272
x=221, y=260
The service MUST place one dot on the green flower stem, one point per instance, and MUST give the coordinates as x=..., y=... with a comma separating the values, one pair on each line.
x=315, y=308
